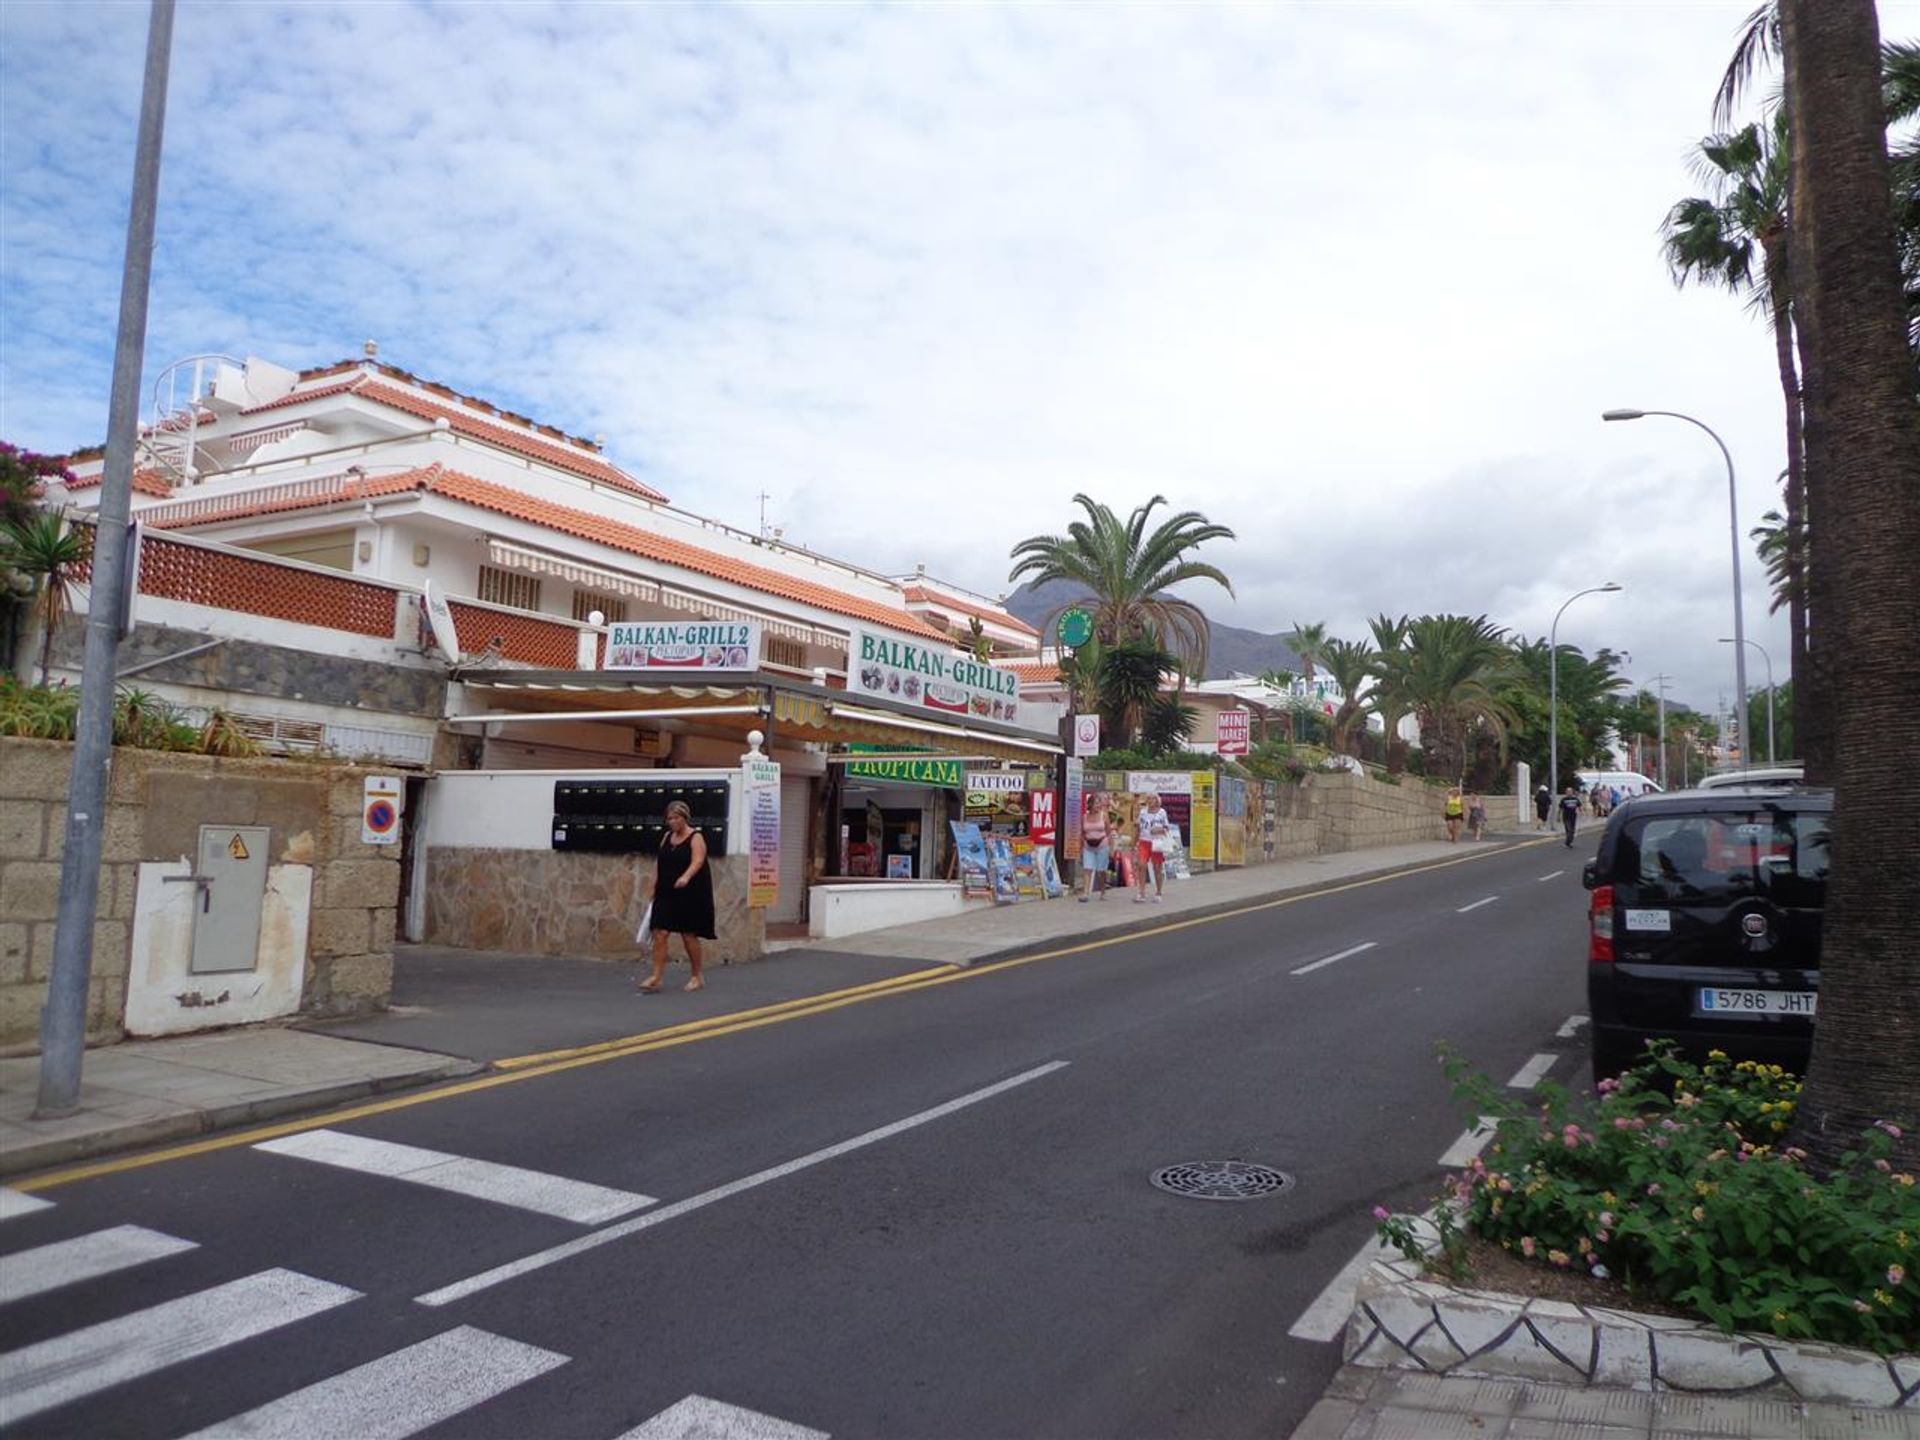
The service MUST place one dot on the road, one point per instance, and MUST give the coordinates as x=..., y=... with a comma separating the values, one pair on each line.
x=924, y=1212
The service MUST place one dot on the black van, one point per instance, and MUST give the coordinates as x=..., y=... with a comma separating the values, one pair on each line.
x=1704, y=925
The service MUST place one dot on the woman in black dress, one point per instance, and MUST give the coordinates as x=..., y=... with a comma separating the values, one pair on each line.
x=682, y=896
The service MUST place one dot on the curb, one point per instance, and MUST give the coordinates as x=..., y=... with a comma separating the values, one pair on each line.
x=1403, y=1320
x=45, y=1154
x=1120, y=929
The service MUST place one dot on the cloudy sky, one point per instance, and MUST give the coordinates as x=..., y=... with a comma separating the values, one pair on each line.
x=1356, y=279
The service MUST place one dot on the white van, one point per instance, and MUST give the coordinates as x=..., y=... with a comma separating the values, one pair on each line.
x=1627, y=782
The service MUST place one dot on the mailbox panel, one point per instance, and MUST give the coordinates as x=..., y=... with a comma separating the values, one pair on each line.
x=230, y=888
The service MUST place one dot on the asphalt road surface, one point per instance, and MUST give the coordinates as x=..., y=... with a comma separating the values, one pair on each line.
x=923, y=1212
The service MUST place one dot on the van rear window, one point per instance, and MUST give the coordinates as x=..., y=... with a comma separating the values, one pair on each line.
x=1716, y=859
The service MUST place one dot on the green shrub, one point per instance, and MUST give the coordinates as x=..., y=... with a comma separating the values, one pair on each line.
x=1671, y=1184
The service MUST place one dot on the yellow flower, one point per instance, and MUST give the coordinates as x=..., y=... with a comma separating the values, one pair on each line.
x=1716, y=1054
x=1883, y=1297
x=1766, y=1107
x=1779, y=1317
x=1903, y=1179
x=1778, y=1126
x=1701, y=1187
x=1609, y=1197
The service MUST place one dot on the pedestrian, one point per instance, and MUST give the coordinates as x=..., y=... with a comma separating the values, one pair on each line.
x=1155, y=839
x=1095, y=830
x=1570, y=811
x=682, y=897
x=1542, y=806
x=1476, y=817
x=1455, y=812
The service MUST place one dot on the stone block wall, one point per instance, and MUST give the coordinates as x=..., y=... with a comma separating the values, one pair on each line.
x=156, y=804
x=1357, y=812
x=561, y=902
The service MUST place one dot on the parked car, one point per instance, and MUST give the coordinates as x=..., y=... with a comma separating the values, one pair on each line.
x=1704, y=924
x=1771, y=777
x=1629, y=783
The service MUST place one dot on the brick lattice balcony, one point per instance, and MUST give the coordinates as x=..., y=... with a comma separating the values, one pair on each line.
x=548, y=644
x=170, y=570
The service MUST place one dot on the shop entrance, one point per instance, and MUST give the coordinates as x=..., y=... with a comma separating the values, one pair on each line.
x=891, y=832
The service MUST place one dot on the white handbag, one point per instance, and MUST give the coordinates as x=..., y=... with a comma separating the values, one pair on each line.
x=645, y=937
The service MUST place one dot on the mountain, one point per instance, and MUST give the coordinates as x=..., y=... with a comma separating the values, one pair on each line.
x=1232, y=651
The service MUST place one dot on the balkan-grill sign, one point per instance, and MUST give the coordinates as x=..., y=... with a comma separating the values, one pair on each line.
x=701, y=645
x=943, y=681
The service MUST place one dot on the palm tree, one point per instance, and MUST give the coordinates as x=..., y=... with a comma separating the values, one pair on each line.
x=1737, y=236
x=1130, y=677
x=1863, y=462
x=1309, y=642
x=50, y=554
x=1390, y=639
x=1349, y=664
x=1127, y=571
x=1449, y=674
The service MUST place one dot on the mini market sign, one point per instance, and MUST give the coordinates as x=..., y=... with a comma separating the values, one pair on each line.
x=943, y=681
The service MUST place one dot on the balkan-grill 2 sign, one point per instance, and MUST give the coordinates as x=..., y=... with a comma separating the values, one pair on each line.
x=931, y=679
x=683, y=645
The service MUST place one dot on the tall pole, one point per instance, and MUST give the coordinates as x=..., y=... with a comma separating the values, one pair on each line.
x=63, y=1023
x=1769, y=659
x=1553, y=684
x=1739, y=606
x=1661, y=682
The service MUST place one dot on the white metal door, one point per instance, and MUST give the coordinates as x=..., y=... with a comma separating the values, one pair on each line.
x=796, y=813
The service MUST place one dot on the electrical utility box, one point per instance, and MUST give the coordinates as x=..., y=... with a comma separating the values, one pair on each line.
x=230, y=887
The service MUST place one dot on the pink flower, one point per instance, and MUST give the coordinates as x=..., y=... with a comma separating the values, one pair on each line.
x=1622, y=1122
x=1572, y=1141
x=1895, y=1274
x=1894, y=1130
x=1654, y=1188
x=1527, y=1246
x=1559, y=1257
x=1380, y=1212
x=1607, y=1087
x=1882, y=1165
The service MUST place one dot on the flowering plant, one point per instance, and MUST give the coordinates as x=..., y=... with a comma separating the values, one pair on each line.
x=1672, y=1183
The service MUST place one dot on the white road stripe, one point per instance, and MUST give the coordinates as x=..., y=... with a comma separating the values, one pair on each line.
x=460, y=1289
x=1355, y=950
x=16, y=1202
x=1476, y=904
x=1569, y=1025
x=67, y=1262
x=1552, y=875
x=1468, y=1145
x=72, y=1366
x=698, y=1418
x=482, y=1179
x=1326, y=1317
x=1532, y=1073
x=397, y=1395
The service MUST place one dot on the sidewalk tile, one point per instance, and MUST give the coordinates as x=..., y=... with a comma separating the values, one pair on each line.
x=1748, y=1417
x=1537, y=1428
x=1461, y=1395
x=1632, y=1409
x=1328, y=1420
x=1841, y=1422
x=1394, y=1423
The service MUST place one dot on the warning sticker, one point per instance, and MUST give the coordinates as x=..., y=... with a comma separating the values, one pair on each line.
x=237, y=848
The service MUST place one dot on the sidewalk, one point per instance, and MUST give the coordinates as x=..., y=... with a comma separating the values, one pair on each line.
x=984, y=934
x=147, y=1091
x=1367, y=1404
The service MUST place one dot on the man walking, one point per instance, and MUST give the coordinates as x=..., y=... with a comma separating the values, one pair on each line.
x=1570, y=811
x=1542, y=806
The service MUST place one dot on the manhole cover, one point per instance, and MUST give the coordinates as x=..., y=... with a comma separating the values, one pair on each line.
x=1221, y=1180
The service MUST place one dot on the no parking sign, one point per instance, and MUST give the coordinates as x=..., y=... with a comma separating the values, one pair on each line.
x=380, y=810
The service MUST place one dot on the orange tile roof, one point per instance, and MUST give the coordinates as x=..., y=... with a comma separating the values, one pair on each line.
x=147, y=482
x=367, y=387
x=470, y=490
x=1036, y=672
x=926, y=595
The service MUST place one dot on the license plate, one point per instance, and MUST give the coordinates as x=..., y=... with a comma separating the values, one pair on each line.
x=1741, y=1004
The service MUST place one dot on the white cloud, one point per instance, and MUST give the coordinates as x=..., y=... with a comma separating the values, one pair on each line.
x=1355, y=280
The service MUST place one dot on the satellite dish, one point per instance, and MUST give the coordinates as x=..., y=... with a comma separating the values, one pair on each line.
x=440, y=619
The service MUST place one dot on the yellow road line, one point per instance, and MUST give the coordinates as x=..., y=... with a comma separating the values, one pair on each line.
x=530, y=1067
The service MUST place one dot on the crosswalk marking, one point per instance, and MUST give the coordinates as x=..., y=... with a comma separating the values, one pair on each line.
x=397, y=1395
x=15, y=1202
x=1469, y=1144
x=72, y=1366
x=85, y=1257
x=534, y=1190
x=1569, y=1025
x=1533, y=1072
x=698, y=1418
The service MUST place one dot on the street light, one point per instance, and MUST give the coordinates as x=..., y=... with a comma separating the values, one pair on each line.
x=1725, y=640
x=1553, y=684
x=1739, y=612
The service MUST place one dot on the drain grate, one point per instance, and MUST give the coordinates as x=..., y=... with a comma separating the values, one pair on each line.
x=1221, y=1180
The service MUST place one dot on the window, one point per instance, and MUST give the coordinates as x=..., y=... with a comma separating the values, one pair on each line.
x=507, y=587
x=585, y=602
x=782, y=651
x=1716, y=859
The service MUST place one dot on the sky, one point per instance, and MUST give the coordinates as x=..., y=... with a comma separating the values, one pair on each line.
x=1355, y=279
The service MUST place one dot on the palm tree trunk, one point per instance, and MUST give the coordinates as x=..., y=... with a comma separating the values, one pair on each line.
x=1811, y=727
x=1863, y=483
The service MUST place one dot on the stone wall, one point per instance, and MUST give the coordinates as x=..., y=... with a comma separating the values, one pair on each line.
x=1358, y=812
x=560, y=902
x=157, y=802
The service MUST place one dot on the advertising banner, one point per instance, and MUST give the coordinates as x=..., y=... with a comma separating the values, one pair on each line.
x=1200, y=833
x=696, y=645
x=1236, y=732
x=1086, y=735
x=1232, y=839
x=1041, y=821
x=930, y=678
x=1161, y=782
x=970, y=851
x=997, y=800
x=1269, y=814
x=944, y=773
x=1072, y=842
x=761, y=778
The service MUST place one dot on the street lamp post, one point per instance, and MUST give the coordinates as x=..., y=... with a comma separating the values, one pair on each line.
x=1725, y=640
x=1739, y=609
x=1661, y=682
x=1553, y=684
